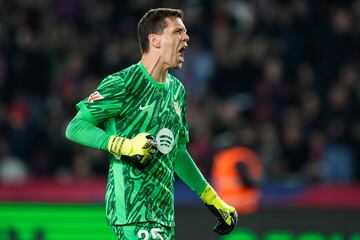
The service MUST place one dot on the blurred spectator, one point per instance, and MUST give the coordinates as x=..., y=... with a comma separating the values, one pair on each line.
x=316, y=151
x=269, y=150
x=12, y=168
x=237, y=173
x=272, y=92
x=339, y=156
x=294, y=153
x=19, y=132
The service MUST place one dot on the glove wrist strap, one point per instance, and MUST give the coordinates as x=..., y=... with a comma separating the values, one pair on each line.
x=115, y=145
x=208, y=195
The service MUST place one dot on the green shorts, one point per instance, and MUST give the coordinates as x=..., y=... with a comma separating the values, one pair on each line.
x=143, y=231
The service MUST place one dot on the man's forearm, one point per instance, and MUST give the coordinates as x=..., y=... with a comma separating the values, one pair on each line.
x=188, y=172
x=82, y=131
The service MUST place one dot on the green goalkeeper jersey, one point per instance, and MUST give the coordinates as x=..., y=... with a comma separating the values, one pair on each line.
x=129, y=102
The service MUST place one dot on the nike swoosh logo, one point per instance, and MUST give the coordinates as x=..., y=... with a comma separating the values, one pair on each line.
x=144, y=107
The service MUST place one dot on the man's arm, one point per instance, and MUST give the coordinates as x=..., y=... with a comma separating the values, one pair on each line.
x=188, y=172
x=85, y=131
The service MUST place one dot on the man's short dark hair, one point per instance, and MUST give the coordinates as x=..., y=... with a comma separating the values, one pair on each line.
x=153, y=22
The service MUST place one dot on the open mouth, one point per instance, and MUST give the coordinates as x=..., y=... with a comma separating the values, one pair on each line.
x=181, y=53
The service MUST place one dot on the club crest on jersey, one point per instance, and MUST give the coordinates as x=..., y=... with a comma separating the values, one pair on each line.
x=94, y=96
x=176, y=107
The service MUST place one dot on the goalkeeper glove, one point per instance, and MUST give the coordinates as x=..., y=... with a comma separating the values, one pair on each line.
x=138, y=150
x=227, y=216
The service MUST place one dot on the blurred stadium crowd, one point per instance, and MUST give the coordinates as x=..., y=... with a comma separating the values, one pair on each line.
x=281, y=77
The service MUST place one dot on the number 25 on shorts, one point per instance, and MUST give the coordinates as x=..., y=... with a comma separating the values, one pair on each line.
x=154, y=233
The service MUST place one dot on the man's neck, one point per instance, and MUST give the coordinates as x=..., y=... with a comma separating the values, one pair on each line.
x=154, y=66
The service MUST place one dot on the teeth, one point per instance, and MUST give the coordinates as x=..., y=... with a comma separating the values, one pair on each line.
x=183, y=49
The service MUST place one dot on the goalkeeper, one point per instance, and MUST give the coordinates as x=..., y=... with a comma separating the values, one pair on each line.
x=137, y=115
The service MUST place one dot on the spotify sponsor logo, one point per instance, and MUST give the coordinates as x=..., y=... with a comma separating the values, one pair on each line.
x=165, y=140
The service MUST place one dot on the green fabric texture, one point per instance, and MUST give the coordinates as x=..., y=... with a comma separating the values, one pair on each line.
x=188, y=172
x=85, y=132
x=127, y=103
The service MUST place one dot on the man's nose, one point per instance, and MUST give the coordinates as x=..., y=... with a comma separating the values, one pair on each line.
x=186, y=37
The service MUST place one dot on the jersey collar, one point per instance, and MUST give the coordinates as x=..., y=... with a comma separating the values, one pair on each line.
x=151, y=79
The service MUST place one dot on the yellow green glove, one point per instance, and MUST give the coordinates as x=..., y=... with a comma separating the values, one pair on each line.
x=227, y=216
x=138, y=150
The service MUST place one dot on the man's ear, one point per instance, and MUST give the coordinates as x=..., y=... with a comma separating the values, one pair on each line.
x=154, y=40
